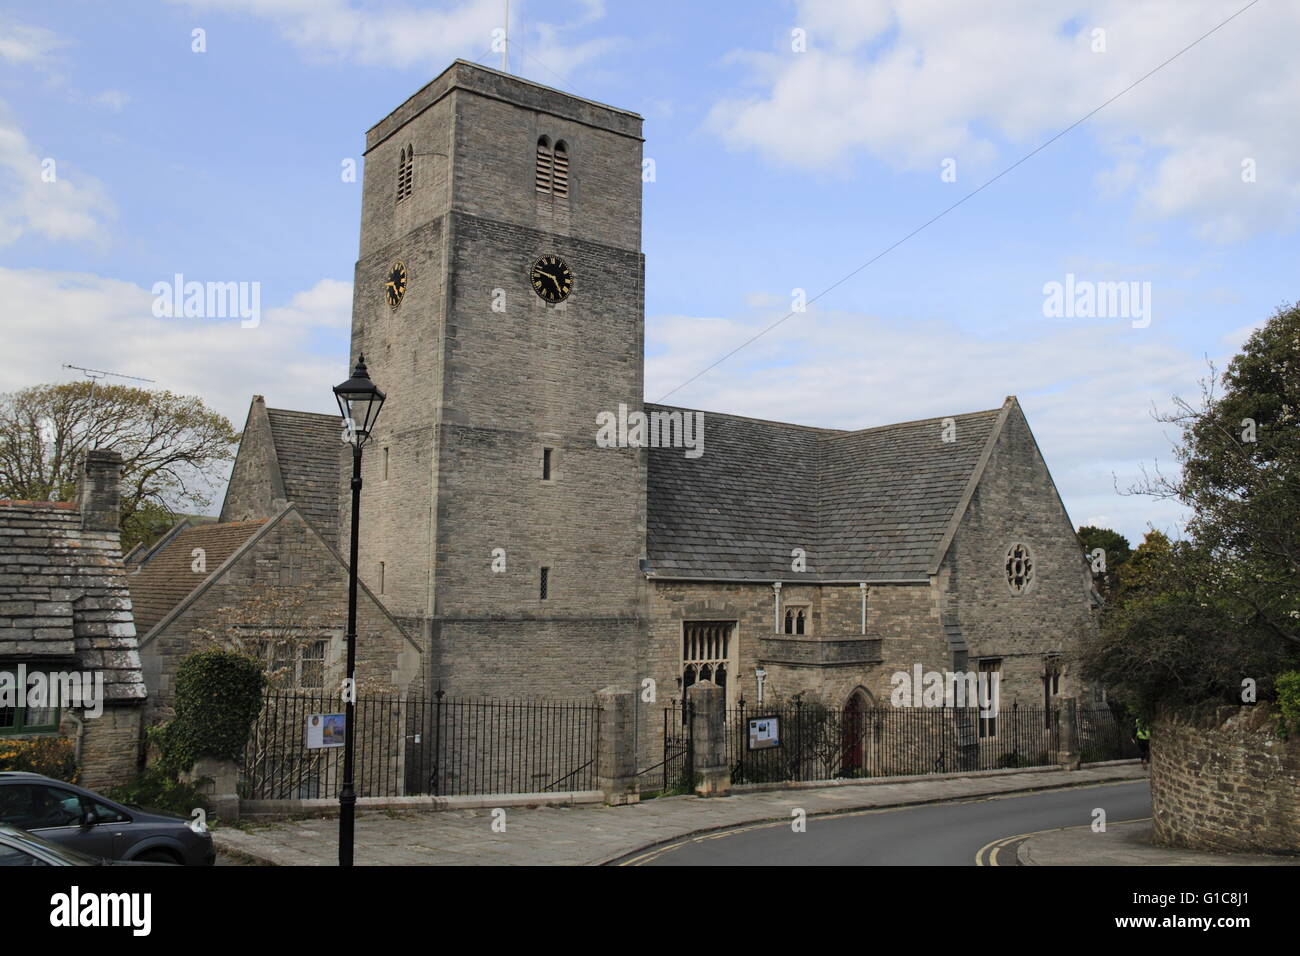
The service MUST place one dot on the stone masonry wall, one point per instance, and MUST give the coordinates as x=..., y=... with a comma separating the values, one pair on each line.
x=258, y=587
x=110, y=747
x=902, y=626
x=1016, y=501
x=253, y=490
x=1225, y=781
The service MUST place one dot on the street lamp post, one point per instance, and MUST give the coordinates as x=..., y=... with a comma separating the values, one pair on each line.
x=360, y=401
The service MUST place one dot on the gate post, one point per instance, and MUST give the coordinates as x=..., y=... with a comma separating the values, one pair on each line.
x=1068, y=756
x=616, y=746
x=708, y=730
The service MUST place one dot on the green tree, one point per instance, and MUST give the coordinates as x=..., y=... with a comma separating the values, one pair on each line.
x=1195, y=617
x=1146, y=568
x=172, y=447
x=1115, y=551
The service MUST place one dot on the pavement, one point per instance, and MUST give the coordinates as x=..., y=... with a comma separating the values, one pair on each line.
x=595, y=835
x=1125, y=844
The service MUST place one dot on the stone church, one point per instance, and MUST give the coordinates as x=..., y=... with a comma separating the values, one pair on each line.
x=499, y=302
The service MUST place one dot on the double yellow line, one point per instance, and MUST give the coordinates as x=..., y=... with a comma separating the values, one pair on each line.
x=988, y=853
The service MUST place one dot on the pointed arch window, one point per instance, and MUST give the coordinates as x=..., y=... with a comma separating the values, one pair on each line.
x=405, y=172
x=796, y=619
x=545, y=171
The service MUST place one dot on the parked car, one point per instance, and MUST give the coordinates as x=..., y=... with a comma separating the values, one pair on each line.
x=98, y=827
x=20, y=848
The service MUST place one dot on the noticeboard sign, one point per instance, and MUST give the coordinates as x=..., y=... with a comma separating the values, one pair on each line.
x=764, y=733
x=326, y=730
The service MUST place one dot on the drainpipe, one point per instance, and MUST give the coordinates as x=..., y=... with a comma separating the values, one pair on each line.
x=776, y=607
x=862, y=585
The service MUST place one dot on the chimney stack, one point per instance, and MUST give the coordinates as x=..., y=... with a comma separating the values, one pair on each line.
x=99, y=493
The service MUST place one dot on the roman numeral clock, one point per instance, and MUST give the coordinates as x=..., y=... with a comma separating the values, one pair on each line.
x=551, y=278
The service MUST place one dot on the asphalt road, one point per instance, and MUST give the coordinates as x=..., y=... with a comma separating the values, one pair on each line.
x=948, y=834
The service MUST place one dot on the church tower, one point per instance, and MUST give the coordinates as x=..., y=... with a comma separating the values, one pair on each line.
x=499, y=301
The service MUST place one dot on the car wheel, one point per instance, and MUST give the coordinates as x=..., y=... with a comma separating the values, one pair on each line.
x=157, y=856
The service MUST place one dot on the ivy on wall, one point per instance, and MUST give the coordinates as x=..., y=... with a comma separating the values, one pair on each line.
x=218, y=698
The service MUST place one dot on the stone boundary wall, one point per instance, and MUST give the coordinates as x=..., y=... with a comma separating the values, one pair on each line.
x=1225, y=780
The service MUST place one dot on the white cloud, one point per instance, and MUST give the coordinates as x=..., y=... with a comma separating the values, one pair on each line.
x=115, y=100
x=24, y=45
x=37, y=196
x=293, y=356
x=1087, y=387
x=405, y=34
x=912, y=83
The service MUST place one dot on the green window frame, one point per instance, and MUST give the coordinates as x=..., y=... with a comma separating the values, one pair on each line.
x=23, y=720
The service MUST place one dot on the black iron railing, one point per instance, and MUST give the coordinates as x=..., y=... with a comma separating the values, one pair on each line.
x=410, y=746
x=822, y=743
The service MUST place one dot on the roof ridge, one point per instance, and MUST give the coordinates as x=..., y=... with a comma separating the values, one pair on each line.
x=828, y=430
x=746, y=418
x=295, y=411
x=917, y=421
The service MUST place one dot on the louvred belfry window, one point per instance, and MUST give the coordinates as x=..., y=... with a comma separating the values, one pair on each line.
x=545, y=165
x=405, y=172
x=561, y=186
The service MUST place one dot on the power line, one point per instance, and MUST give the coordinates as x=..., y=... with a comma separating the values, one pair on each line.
x=974, y=192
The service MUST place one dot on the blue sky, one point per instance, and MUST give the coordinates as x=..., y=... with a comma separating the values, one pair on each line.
x=792, y=142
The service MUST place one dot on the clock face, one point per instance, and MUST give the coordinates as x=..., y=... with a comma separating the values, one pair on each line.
x=551, y=278
x=395, y=284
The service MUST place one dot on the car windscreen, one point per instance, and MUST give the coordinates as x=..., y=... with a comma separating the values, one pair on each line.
x=31, y=841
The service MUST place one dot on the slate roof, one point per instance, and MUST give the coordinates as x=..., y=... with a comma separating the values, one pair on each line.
x=873, y=504
x=63, y=596
x=307, y=446
x=167, y=577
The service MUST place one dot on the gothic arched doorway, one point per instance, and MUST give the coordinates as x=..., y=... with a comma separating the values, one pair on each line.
x=853, y=733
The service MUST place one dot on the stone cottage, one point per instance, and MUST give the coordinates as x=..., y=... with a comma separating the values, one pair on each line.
x=271, y=587
x=65, y=613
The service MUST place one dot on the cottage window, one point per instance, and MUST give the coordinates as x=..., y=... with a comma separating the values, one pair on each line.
x=21, y=719
x=312, y=671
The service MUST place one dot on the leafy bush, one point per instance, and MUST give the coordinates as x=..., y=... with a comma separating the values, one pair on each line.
x=52, y=756
x=156, y=790
x=218, y=698
x=1288, y=702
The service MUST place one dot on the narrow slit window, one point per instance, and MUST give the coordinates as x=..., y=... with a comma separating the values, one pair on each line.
x=546, y=464
x=544, y=586
x=382, y=569
x=561, y=178
x=385, y=464
x=545, y=165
